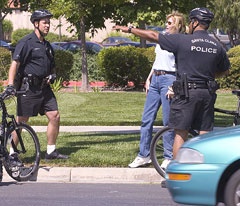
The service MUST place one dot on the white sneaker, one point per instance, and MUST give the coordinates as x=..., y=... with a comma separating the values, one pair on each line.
x=165, y=163
x=140, y=161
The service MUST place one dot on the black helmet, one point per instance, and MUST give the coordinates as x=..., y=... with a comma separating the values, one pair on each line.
x=203, y=15
x=40, y=14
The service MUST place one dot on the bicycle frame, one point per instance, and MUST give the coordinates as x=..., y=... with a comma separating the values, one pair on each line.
x=236, y=113
x=6, y=127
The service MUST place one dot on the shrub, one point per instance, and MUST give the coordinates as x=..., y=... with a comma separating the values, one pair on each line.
x=234, y=52
x=51, y=37
x=5, y=61
x=19, y=34
x=94, y=73
x=64, y=64
x=123, y=64
x=7, y=28
x=232, y=81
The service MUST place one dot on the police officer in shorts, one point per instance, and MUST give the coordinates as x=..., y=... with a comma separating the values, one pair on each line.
x=200, y=59
x=33, y=61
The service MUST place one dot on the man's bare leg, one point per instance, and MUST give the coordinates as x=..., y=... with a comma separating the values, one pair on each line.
x=180, y=138
x=52, y=134
x=53, y=127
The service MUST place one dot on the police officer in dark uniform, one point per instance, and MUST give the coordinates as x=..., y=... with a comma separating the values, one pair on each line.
x=200, y=59
x=33, y=61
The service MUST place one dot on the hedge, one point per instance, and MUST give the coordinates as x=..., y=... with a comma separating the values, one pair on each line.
x=232, y=81
x=120, y=65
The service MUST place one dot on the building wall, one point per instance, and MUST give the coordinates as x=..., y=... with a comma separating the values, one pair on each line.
x=22, y=20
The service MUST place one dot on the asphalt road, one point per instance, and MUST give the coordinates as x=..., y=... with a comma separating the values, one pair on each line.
x=75, y=194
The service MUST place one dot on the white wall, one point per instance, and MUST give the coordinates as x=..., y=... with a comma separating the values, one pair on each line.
x=22, y=20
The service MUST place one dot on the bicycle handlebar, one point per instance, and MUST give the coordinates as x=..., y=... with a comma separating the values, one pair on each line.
x=4, y=95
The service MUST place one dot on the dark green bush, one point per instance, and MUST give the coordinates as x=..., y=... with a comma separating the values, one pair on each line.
x=5, y=61
x=64, y=63
x=121, y=65
x=149, y=53
x=51, y=37
x=19, y=34
x=232, y=81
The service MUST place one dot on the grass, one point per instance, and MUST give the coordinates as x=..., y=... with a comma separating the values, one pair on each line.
x=94, y=150
x=106, y=108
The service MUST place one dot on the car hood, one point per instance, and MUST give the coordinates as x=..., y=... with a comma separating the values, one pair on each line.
x=219, y=146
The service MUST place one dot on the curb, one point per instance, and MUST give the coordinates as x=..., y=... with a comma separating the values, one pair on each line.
x=94, y=175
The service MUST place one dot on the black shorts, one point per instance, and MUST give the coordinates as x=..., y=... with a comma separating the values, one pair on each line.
x=197, y=112
x=36, y=102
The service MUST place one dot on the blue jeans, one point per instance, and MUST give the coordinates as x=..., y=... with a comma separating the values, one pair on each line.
x=155, y=98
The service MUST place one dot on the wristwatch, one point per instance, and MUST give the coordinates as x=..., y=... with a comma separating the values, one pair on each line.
x=130, y=29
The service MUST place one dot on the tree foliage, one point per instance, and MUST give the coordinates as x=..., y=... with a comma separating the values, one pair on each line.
x=7, y=6
x=227, y=17
x=84, y=15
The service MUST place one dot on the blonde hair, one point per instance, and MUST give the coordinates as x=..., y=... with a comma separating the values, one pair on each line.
x=179, y=22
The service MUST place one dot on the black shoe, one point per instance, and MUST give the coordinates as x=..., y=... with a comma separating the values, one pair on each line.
x=55, y=155
x=163, y=184
x=14, y=161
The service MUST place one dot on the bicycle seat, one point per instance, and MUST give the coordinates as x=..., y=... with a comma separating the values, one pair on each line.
x=236, y=92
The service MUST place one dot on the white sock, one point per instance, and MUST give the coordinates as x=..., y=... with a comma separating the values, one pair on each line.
x=51, y=148
x=11, y=150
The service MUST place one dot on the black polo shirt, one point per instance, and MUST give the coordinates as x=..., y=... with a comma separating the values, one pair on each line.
x=35, y=57
x=198, y=55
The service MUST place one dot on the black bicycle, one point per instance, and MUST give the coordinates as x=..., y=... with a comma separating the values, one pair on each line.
x=157, y=150
x=22, y=139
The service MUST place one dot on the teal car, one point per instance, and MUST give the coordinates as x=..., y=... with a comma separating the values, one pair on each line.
x=206, y=170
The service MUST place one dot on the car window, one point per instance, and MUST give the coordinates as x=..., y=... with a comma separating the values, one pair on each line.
x=96, y=48
x=74, y=47
x=3, y=44
x=65, y=46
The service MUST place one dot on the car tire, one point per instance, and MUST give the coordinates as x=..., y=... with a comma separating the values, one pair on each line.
x=232, y=190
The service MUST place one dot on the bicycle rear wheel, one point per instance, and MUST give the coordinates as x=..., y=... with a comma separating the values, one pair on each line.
x=28, y=153
x=157, y=149
x=1, y=170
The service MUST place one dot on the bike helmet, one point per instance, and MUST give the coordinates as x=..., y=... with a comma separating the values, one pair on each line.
x=203, y=15
x=40, y=14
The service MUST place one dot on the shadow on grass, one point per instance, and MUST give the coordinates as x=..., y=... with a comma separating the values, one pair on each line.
x=71, y=143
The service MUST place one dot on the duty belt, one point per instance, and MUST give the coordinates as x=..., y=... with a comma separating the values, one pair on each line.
x=36, y=81
x=162, y=72
x=197, y=85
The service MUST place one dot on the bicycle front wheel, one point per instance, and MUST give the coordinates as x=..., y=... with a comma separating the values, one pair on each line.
x=28, y=150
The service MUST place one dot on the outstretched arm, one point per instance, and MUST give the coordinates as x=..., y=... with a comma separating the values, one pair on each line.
x=145, y=34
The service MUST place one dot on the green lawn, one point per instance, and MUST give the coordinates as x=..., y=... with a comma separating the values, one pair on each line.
x=106, y=108
x=115, y=108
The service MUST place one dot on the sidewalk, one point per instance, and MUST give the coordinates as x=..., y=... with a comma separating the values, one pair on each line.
x=94, y=174
x=97, y=129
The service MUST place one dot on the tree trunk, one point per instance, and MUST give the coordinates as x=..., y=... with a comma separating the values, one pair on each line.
x=142, y=41
x=1, y=26
x=85, y=83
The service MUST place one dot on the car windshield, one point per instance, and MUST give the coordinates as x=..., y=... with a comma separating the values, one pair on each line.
x=116, y=40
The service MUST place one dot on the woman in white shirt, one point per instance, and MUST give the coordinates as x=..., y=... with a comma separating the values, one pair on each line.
x=160, y=78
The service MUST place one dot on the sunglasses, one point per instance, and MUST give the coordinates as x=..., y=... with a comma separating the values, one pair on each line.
x=169, y=22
